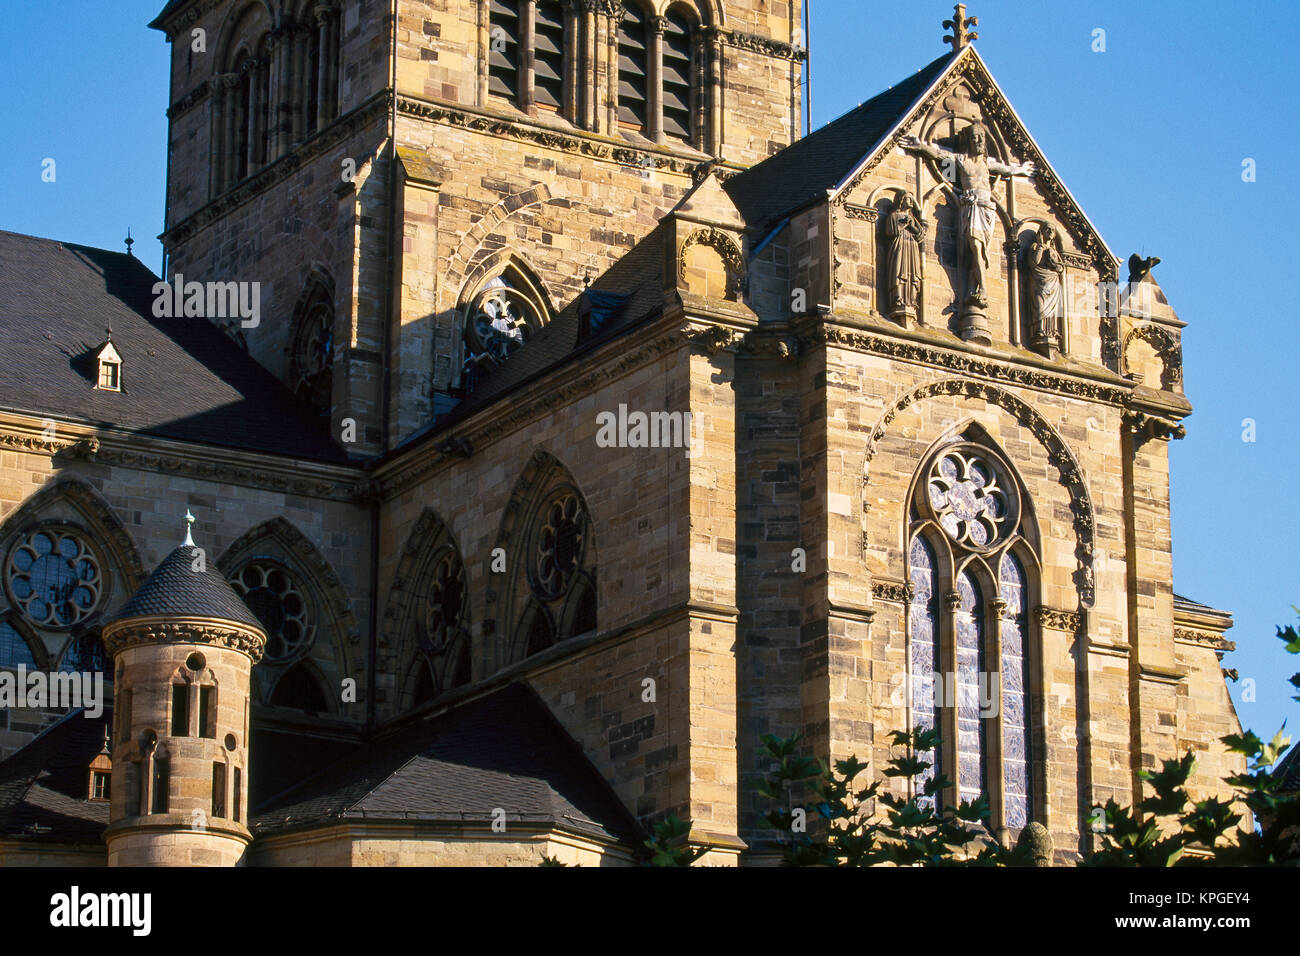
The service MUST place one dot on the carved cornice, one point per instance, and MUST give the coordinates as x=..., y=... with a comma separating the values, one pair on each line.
x=765, y=343
x=766, y=46
x=863, y=213
x=155, y=629
x=1055, y=619
x=713, y=339
x=146, y=453
x=964, y=362
x=579, y=144
x=287, y=165
x=190, y=100
x=187, y=17
x=1215, y=642
x=896, y=591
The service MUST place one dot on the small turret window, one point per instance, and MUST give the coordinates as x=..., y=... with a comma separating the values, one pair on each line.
x=180, y=710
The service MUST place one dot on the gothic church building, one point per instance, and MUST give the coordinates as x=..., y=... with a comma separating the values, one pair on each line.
x=591, y=422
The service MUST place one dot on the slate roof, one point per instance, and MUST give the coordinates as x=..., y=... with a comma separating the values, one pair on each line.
x=807, y=168
x=182, y=378
x=176, y=588
x=44, y=786
x=629, y=292
x=504, y=750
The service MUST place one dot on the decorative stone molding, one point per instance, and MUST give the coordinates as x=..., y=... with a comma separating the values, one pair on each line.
x=308, y=561
x=583, y=145
x=119, y=635
x=1055, y=619
x=1059, y=454
x=763, y=45
x=713, y=339
x=726, y=248
x=862, y=213
x=192, y=466
x=1216, y=642
x=190, y=100
x=185, y=18
x=102, y=522
x=896, y=591
x=764, y=344
x=339, y=130
x=1168, y=348
x=964, y=362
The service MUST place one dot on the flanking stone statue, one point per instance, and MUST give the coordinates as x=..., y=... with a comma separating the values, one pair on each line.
x=974, y=172
x=905, y=229
x=1045, y=268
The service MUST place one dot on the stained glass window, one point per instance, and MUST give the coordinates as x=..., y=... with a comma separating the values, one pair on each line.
x=1015, y=724
x=14, y=650
x=54, y=577
x=923, y=645
x=970, y=643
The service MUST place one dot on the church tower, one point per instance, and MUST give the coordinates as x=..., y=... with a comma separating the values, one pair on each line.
x=184, y=646
x=395, y=188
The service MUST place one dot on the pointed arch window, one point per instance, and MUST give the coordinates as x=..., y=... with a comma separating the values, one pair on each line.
x=969, y=644
x=501, y=317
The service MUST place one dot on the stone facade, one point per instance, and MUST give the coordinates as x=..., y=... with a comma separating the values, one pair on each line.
x=757, y=582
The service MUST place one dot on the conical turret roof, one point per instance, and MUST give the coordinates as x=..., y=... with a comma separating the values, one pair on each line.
x=176, y=589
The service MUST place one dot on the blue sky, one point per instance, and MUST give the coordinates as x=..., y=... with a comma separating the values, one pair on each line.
x=1150, y=137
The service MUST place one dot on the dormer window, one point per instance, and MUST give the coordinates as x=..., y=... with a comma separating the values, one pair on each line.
x=110, y=368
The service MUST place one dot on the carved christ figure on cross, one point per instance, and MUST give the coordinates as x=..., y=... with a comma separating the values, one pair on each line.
x=974, y=171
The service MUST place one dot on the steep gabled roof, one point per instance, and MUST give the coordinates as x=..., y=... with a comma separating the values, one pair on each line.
x=504, y=750
x=829, y=162
x=181, y=378
x=807, y=168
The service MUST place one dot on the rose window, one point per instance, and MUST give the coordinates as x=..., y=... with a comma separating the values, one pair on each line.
x=500, y=320
x=447, y=601
x=272, y=595
x=54, y=577
x=969, y=499
x=561, y=538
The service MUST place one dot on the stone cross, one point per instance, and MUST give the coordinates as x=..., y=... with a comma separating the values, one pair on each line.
x=961, y=36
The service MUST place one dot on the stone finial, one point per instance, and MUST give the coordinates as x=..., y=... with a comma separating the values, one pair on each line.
x=189, y=530
x=959, y=24
x=1039, y=842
